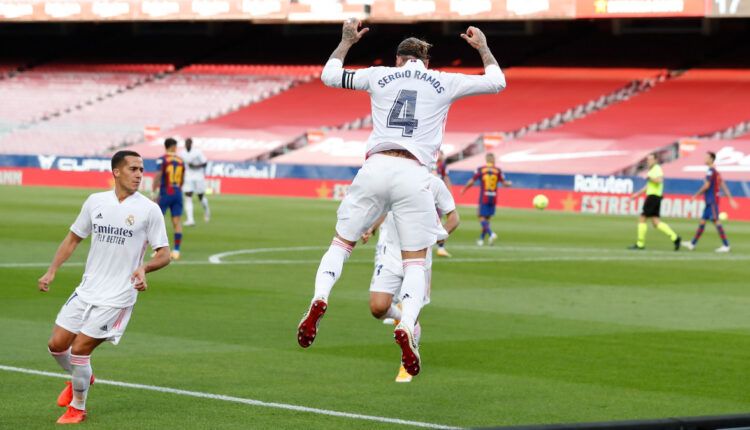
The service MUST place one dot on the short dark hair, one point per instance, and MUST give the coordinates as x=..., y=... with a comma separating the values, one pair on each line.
x=413, y=47
x=169, y=142
x=712, y=155
x=119, y=157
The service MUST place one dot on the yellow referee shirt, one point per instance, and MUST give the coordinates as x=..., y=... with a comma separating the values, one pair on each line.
x=654, y=188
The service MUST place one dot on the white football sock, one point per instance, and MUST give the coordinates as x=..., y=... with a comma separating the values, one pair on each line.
x=330, y=268
x=81, y=379
x=206, y=209
x=412, y=291
x=393, y=312
x=189, y=210
x=417, y=332
x=62, y=358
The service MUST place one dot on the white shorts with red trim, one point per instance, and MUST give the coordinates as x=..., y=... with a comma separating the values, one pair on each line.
x=400, y=185
x=99, y=322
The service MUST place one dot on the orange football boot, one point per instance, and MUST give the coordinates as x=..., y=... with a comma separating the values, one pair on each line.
x=66, y=395
x=72, y=416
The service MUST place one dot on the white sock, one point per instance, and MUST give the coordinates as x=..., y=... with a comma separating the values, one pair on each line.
x=189, y=210
x=81, y=379
x=330, y=268
x=392, y=312
x=62, y=358
x=417, y=332
x=206, y=209
x=412, y=291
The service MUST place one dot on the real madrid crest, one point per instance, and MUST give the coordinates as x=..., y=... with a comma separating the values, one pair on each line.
x=130, y=220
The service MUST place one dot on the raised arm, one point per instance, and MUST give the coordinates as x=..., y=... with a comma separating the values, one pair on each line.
x=478, y=41
x=64, y=251
x=333, y=71
x=493, y=79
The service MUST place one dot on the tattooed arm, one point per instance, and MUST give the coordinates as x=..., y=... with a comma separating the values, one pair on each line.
x=493, y=80
x=350, y=34
x=478, y=41
x=334, y=74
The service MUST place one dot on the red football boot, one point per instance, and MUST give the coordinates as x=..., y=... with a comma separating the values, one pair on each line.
x=409, y=350
x=308, y=327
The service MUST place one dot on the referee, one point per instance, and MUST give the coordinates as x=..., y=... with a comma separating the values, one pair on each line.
x=654, y=190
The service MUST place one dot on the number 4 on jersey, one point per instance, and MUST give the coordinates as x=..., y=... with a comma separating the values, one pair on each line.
x=402, y=113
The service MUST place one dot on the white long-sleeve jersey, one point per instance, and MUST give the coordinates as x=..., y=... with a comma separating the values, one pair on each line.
x=410, y=103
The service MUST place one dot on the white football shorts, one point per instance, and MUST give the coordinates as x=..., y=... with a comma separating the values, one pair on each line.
x=390, y=183
x=197, y=186
x=99, y=322
x=387, y=278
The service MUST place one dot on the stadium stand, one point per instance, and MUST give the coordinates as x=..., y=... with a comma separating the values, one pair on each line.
x=91, y=123
x=696, y=103
x=278, y=124
x=34, y=95
x=732, y=159
x=7, y=67
x=537, y=93
x=564, y=154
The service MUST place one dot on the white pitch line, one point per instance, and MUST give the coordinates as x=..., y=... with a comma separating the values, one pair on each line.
x=216, y=258
x=233, y=399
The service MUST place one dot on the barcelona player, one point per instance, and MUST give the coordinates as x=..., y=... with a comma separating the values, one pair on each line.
x=168, y=181
x=710, y=191
x=489, y=177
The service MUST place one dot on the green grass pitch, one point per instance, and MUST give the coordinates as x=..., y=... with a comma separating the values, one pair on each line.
x=556, y=323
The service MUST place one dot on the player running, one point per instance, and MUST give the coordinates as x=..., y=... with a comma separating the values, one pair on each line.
x=409, y=108
x=489, y=176
x=121, y=223
x=654, y=190
x=710, y=191
x=168, y=181
x=441, y=169
x=195, y=181
x=389, y=273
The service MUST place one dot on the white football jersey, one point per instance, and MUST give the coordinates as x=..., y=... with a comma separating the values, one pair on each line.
x=195, y=156
x=389, y=246
x=410, y=103
x=119, y=234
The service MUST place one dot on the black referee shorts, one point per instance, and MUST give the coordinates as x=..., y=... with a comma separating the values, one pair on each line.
x=652, y=206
